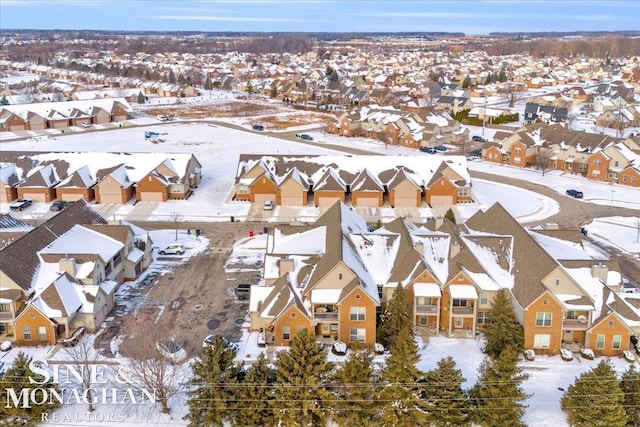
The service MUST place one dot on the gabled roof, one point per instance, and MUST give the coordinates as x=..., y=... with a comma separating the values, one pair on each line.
x=81, y=178
x=9, y=174
x=403, y=175
x=19, y=261
x=59, y=299
x=330, y=181
x=295, y=175
x=365, y=181
x=44, y=176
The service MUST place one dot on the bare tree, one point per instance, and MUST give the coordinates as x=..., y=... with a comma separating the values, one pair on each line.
x=543, y=157
x=84, y=356
x=32, y=94
x=637, y=225
x=175, y=218
x=513, y=94
x=148, y=367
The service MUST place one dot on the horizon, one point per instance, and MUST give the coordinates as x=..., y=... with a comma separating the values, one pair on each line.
x=323, y=16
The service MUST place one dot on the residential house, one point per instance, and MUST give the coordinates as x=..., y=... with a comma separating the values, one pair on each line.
x=114, y=185
x=8, y=180
x=78, y=185
x=39, y=185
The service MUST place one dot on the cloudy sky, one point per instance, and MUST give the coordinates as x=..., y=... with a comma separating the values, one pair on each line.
x=468, y=16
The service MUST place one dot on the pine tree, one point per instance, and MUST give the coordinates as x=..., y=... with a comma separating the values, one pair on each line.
x=141, y=99
x=353, y=390
x=300, y=394
x=502, y=76
x=171, y=77
x=274, y=91
x=17, y=378
x=446, y=402
x=595, y=399
x=502, y=327
x=450, y=215
x=210, y=401
x=466, y=82
x=497, y=399
x=395, y=318
x=255, y=394
x=398, y=398
x=630, y=385
x=207, y=83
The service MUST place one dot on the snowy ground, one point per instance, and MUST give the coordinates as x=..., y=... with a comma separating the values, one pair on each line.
x=623, y=233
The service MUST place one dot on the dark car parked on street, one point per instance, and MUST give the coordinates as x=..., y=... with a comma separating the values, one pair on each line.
x=478, y=138
x=575, y=194
x=257, y=127
x=429, y=150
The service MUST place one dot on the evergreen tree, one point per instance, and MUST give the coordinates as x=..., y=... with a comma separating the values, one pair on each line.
x=502, y=76
x=4, y=100
x=497, y=398
x=450, y=215
x=630, y=385
x=353, y=390
x=446, y=402
x=274, y=91
x=300, y=394
x=595, y=399
x=17, y=378
x=255, y=394
x=210, y=401
x=466, y=82
x=395, y=317
x=172, y=77
x=141, y=99
x=207, y=83
x=502, y=328
x=249, y=88
x=398, y=399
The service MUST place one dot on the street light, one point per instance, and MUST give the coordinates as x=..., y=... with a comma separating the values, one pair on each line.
x=611, y=203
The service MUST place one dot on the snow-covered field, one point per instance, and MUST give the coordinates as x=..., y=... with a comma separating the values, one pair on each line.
x=623, y=233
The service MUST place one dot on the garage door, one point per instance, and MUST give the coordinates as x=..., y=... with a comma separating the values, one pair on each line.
x=110, y=198
x=36, y=197
x=150, y=196
x=367, y=202
x=292, y=201
x=70, y=197
x=327, y=201
x=401, y=202
x=17, y=127
x=441, y=200
x=261, y=198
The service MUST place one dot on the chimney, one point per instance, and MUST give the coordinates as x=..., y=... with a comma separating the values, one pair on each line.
x=68, y=265
x=439, y=221
x=600, y=271
x=286, y=266
x=454, y=248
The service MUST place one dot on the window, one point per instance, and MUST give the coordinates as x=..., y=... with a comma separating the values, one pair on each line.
x=518, y=150
x=380, y=291
x=340, y=276
x=117, y=259
x=617, y=341
x=557, y=282
x=423, y=320
x=624, y=178
x=286, y=333
x=633, y=179
x=482, y=317
x=107, y=269
x=516, y=160
x=459, y=302
x=26, y=333
x=4, y=307
x=42, y=333
x=463, y=191
x=422, y=301
x=242, y=189
x=458, y=322
x=357, y=335
x=357, y=313
x=616, y=163
x=484, y=298
x=541, y=341
x=543, y=319
x=174, y=188
x=597, y=162
x=600, y=342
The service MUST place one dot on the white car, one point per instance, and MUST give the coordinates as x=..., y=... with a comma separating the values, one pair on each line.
x=6, y=346
x=162, y=118
x=268, y=205
x=85, y=125
x=173, y=249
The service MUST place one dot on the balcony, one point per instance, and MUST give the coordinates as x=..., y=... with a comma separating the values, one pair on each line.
x=575, y=324
x=462, y=310
x=426, y=309
x=6, y=316
x=323, y=317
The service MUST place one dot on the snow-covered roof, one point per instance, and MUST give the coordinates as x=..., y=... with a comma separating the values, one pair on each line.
x=429, y=290
x=325, y=296
x=81, y=240
x=463, y=292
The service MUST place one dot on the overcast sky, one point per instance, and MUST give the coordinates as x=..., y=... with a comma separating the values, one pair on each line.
x=468, y=16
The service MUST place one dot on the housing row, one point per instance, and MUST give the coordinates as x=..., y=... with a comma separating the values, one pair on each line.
x=336, y=276
x=598, y=157
x=59, y=279
x=105, y=177
x=363, y=181
x=60, y=115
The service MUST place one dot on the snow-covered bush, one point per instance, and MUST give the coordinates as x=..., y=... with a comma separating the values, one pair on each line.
x=529, y=355
x=587, y=353
x=629, y=357
x=378, y=348
x=339, y=348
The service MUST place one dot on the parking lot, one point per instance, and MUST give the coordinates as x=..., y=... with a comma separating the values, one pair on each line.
x=187, y=300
